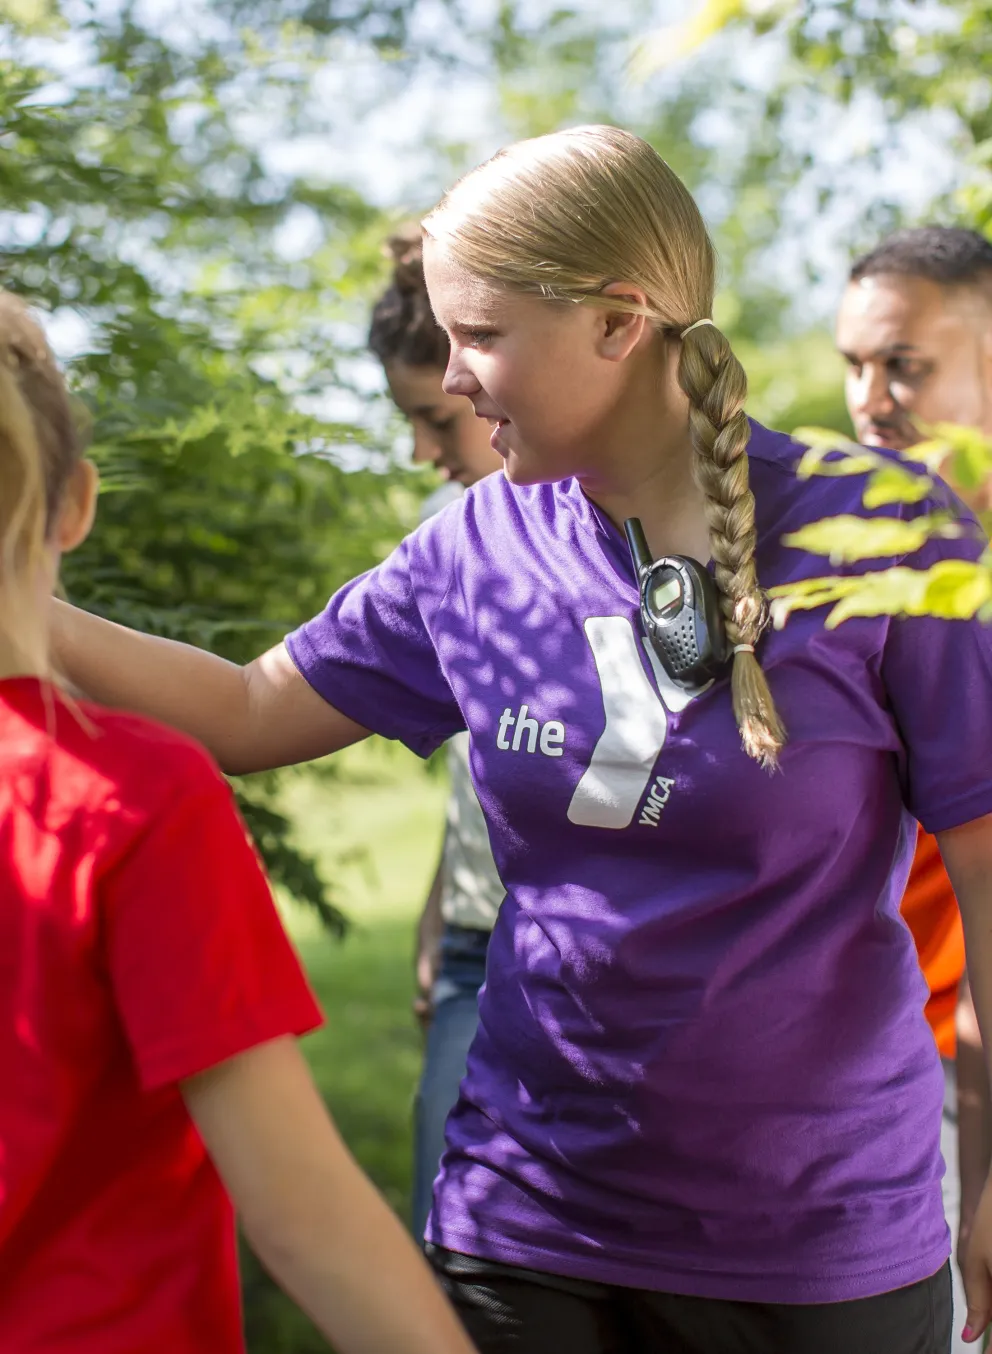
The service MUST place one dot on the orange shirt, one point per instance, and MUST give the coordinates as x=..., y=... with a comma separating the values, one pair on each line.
x=931, y=913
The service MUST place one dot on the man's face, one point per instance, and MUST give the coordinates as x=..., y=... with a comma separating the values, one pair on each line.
x=913, y=347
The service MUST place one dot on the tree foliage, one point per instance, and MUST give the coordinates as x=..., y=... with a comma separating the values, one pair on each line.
x=951, y=589
x=133, y=205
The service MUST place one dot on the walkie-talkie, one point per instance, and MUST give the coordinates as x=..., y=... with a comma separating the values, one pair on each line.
x=680, y=612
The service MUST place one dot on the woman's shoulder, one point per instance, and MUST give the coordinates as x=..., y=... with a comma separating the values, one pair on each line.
x=787, y=498
x=491, y=511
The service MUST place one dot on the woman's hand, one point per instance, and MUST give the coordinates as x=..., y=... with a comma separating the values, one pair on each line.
x=428, y=957
x=967, y=852
x=977, y=1268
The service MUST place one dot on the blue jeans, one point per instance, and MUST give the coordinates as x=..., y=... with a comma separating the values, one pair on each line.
x=461, y=973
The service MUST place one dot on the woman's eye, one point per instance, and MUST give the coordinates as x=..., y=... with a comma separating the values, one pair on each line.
x=441, y=425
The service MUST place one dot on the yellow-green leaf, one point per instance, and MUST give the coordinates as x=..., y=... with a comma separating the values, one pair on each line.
x=952, y=589
x=889, y=592
x=824, y=440
x=932, y=453
x=675, y=41
x=806, y=595
x=956, y=589
x=895, y=485
x=966, y=451
x=854, y=463
x=845, y=539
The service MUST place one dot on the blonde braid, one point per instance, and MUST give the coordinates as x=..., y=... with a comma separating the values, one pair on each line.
x=714, y=381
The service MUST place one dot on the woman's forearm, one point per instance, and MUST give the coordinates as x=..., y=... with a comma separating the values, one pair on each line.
x=252, y=718
x=974, y=1114
x=156, y=677
x=967, y=853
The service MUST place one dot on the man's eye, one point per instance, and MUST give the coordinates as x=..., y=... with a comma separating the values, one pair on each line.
x=441, y=425
x=900, y=369
x=480, y=337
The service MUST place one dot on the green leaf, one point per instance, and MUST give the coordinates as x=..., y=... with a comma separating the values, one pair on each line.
x=971, y=454
x=814, y=463
x=824, y=440
x=895, y=485
x=950, y=590
x=963, y=454
x=846, y=539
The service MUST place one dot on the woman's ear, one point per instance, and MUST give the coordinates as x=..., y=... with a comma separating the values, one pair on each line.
x=621, y=330
x=78, y=507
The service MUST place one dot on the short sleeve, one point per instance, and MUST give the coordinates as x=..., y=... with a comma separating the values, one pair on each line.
x=938, y=676
x=371, y=652
x=200, y=966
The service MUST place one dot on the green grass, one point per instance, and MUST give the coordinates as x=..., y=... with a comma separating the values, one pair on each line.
x=376, y=831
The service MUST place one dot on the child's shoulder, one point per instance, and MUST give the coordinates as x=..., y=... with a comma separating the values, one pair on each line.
x=94, y=758
x=150, y=762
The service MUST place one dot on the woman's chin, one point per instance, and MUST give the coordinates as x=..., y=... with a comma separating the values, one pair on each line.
x=522, y=471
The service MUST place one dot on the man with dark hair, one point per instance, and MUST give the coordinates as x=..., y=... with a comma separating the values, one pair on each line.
x=915, y=329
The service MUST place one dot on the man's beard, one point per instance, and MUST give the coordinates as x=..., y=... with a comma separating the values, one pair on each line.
x=896, y=431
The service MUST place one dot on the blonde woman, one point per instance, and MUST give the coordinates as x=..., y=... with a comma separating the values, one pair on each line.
x=701, y=1113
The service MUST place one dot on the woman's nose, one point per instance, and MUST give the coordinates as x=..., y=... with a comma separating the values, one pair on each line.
x=458, y=378
x=425, y=447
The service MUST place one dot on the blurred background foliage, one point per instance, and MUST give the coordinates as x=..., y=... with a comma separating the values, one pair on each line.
x=194, y=194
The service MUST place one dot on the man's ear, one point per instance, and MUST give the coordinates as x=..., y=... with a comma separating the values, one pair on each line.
x=987, y=372
x=78, y=507
x=621, y=330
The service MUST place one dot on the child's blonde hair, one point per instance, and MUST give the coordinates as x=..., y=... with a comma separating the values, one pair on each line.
x=40, y=446
x=561, y=217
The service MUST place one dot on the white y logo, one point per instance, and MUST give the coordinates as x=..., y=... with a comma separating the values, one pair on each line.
x=623, y=760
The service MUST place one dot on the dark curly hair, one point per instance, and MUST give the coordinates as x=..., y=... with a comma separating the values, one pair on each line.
x=403, y=326
x=947, y=255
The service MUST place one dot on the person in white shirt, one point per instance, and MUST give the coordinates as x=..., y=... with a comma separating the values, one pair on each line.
x=464, y=898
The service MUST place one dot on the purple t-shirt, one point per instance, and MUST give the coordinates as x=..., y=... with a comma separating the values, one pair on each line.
x=702, y=1064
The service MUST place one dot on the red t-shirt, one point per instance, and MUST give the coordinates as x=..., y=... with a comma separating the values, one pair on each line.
x=138, y=945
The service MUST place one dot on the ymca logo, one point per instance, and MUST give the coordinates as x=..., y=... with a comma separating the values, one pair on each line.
x=551, y=735
x=622, y=764
x=621, y=770
x=655, y=802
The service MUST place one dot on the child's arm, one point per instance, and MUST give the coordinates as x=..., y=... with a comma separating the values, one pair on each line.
x=310, y=1214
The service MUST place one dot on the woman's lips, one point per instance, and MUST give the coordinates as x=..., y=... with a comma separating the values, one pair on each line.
x=494, y=437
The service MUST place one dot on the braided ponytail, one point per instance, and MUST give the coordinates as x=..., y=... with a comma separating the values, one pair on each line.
x=714, y=381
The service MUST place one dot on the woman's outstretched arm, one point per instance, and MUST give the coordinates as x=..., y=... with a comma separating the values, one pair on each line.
x=251, y=718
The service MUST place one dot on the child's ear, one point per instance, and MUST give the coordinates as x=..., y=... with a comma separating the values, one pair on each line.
x=78, y=507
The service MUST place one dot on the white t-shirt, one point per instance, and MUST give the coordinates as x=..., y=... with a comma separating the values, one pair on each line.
x=471, y=889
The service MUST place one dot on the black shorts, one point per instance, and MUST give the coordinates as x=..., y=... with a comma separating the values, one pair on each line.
x=505, y=1309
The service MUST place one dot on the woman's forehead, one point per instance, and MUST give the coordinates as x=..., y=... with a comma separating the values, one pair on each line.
x=458, y=296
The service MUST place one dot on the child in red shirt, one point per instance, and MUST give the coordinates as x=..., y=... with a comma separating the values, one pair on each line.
x=149, y=1001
